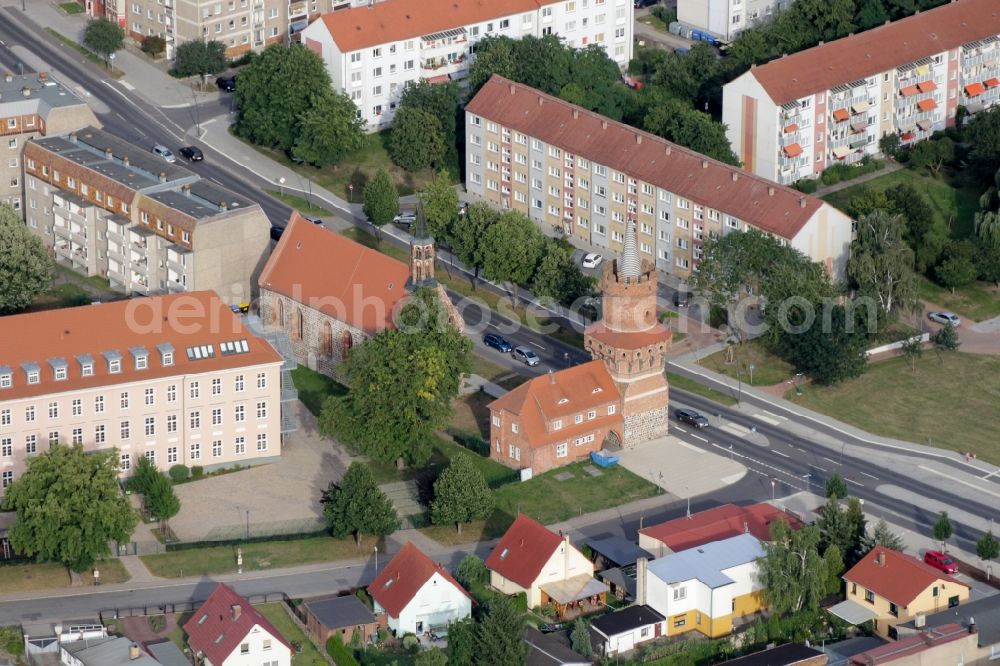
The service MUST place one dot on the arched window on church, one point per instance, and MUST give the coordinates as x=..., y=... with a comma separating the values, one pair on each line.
x=346, y=342
x=326, y=339
x=279, y=312
x=297, y=324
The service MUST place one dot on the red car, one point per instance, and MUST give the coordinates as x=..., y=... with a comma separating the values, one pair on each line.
x=941, y=561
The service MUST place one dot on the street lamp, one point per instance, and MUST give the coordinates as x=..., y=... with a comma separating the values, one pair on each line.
x=772, y=489
x=688, y=493
x=376, y=559
x=281, y=185
x=750, y=367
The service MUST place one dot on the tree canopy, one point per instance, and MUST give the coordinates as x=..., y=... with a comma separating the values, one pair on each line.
x=439, y=199
x=499, y=634
x=943, y=528
x=881, y=264
x=416, y=140
x=69, y=507
x=792, y=572
x=103, y=37
x=461, y=494
x=883, y=536
x=201, y=58
x=468, y=239
x=357, y=506
x=512, y=249
x=25, y=266
x=381, y=200
x=328, y=131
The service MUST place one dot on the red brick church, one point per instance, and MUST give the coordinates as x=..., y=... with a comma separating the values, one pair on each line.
x=617, y=400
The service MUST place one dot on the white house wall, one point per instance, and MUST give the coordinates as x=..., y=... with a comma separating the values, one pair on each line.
x=437, y=603
x=257, y=655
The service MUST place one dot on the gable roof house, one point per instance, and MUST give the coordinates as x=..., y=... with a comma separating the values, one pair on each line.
x=228, y=631
x=721, y=522
x=418, y=595
x=890, y=588
x=545, y=566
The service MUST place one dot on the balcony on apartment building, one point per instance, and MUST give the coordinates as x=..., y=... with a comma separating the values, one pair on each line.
x=443, y=55
x=115, y=251
x=982, y=52
x=140, y=239
x=298, y=17
x=118, y=228
x=72, y=255
x=978, y=95
x=178, y=258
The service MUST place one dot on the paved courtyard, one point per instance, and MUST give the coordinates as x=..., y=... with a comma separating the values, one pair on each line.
x=282, y=497
x=679, y=468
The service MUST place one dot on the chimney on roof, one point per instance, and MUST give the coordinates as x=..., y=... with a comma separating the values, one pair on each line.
x=746, y=527
x=108, y=153
x=42, y=76
x=770, y=190
x=125, y=160
x=186, y=190
x=513, y=89
x=552, y=377
x=668, y=149
x=736, y=176
x=880, y=559
x=540, y=100
x=576, y=113
x=163, y=176
x=802, y=202
x=237, y=611
x=604, y=124
x=72, y=137
x=223, y=205
x=26, y=91
x=887, y=22
x=972, y=625
x=704, y=164
x=821, y=42
x=640, y=581
x=638, y=138
x=133, y=652
x=8, y=77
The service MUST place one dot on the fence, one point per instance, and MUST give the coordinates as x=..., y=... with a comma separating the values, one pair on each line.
x=924, y=337
x=183, y=607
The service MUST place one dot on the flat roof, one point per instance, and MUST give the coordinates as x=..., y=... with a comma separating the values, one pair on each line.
x=44, y=93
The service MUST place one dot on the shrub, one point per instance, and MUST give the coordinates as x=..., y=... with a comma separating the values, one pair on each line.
x=664, y=13
x=154, y=46
x=411, y=643
x=339, y=653
x=807, y=185
x=197, y=472
x=472, y=442
x=179, y=473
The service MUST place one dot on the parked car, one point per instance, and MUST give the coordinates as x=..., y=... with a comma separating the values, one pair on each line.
x=639, y=4
x=164, y=152
x=497, y=342
x=941, y=561
x=945, y=318
x=592, y=260
x=314, y=220
x=526, y=356
x=192, y=153
x=681, y=298
x=276, y=232
x=226, y=83
x=405, y=219
x=691, y=417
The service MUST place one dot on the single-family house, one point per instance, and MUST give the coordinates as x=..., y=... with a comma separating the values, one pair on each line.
x=704, y=588
x=714, y=524
x=981, y=617
x=789, y=654
x=547, y=650
x=228, y=631
x=418, y=595
x=623, y=630
x=947, y=644
x=107, y=651
x=546, y=567
x=889, y=588
x=340, y=616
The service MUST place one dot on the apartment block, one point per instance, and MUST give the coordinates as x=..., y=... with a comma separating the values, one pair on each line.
x=178, y=379
x=590, y=176
x=109, y=208
x=726, y=19
x=831, y=104
x=113, y=10
x=32, y=106
x=373, y=52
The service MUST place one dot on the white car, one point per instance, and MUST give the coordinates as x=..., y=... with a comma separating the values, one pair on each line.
x=164, y=152
x=526, y=356
x=592, y=260
x=405, y=219
x=945, y=318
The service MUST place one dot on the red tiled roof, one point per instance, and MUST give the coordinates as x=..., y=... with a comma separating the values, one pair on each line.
x=523, y=551
x=385, y=22
x=905, y=648
x=331, y=273
x=772, y=208
x=214, y=631
x=900, y=578
x=722, y=522
x=561, y=394
x=927, y=86
x=878, y=50
x=793, y=150
x=974, y=89
x=403, y=577
x=180, y=320
x=926, y=105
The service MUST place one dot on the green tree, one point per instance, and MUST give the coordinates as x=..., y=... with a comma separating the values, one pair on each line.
x=462, y=642
x=906, y=200
x=889, y=144
x=461, y=494
x=201, y=58
x=579, y=638
x=834, y=564
x=381, y=200
x=685, y=75
x=675, y=121
x=440, y=201
x=417, y=140
x=988, y=549
x=143, y=477
x=69, y=507
x=836, y=487
x=511, y=250
x=104, y=38
x=987, y=226
x=161, y=500
x=499, y=635
x=945, y=338
x=25, y=265
x=558, y=277
x=154, y=45
x=943, y=529
x=881, y=264
x=357, y=506
x=544, y=63
x=792, y=573
x=912, y=350
x=468, y=238
x=433, y=657
x=932, y=154
x=958, y=265
x=471, y=571
x=883, y=536
x=275, y=91
x=982, y=134
x=829, y=19
x=403, y=382
x=494, y=55
x=328, y=131
x=441, y=100
x=988, y=263
x=832, y=349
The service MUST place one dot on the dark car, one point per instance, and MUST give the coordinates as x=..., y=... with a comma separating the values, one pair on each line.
x=193, y=153
x=639, y=4
x=314, y=220
x=681, y=298
x=691, y=417
x=497, y=342
x=226, y=83
x=276, y=232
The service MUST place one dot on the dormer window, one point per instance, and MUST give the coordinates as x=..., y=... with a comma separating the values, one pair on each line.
x=32, y=372
x=140, y=357
x=59, y=368
x=33, y=377
x=168, y=358
x=563, y=401
x=557, y=424
x=86, y=362
x=114, y=360
x=6, y=377
x=597, y=389
x=60, y=374
x=166, y=353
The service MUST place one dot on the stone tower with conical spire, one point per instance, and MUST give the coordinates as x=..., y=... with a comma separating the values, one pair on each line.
x=632, y=342
x=421, y=252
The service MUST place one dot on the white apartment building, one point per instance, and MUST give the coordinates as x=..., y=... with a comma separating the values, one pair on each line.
x=373, y=52
x=831, y=104
x=565, y=166
x=726, y=19
x=106, y=207
x=177, y=379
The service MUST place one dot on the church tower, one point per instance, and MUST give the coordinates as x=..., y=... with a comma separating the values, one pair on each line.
x=632, y=342
x=421, y=253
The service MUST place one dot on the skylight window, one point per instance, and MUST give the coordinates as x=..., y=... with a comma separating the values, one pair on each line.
x=503, y=553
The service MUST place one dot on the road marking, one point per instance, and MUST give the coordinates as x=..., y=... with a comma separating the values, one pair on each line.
x=736, y=429
x=831, y=460
x=690, y=446
x=127, y=85
x=783, y=455
x=820, y=468
x=679, y=428
x=996, y=471
x=767, y=419
x=535, y=344
x=872, y=476
x=857, y=483
x=957, y=480
x=699, y=437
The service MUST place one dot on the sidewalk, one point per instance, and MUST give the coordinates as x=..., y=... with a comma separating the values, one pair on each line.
x=844, y=184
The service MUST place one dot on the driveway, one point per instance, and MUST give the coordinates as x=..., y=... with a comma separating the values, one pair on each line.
x=280, y=498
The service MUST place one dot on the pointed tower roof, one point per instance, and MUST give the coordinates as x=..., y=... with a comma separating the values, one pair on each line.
x=630, y=265
x=420, y=234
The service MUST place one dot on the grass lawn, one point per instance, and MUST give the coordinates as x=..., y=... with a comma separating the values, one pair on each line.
x=256, y=556
x=953, y=203
x=768, y=368
x=65, y=295
x=691, y=386
x=71, y=7
x=978, y=301
x=86, y=53
x=300, y=204
x=307, y=654
x=471, y=415
x=112, y=571
x=487, y=368
x=33, y=577
x=893, y=401
x=178, y=636
x=314, y=388
x=365, y=238
x=653, y=22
